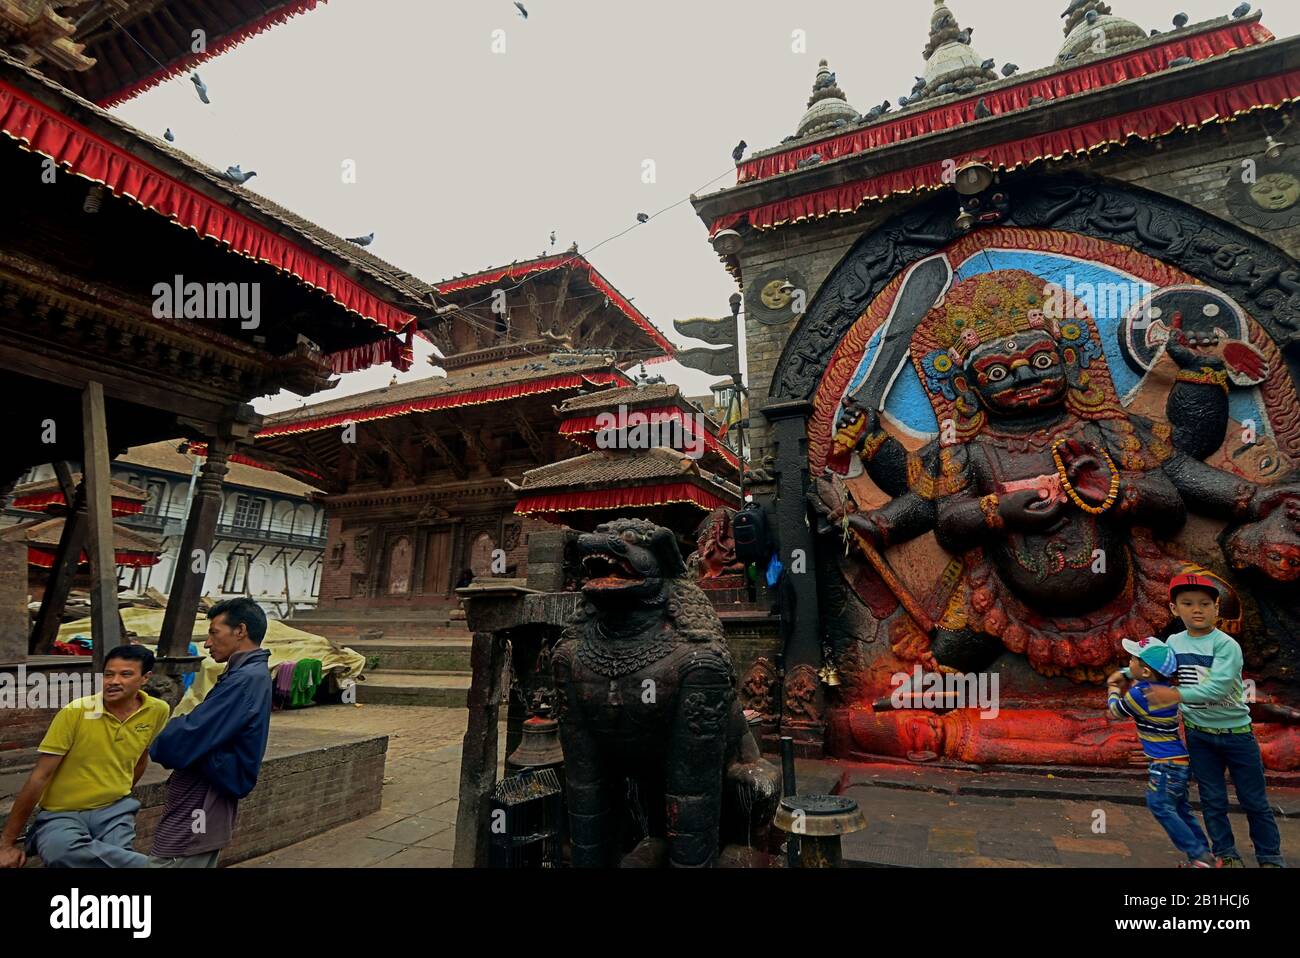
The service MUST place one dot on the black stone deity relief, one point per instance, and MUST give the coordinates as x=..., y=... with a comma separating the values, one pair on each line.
x=659, y=760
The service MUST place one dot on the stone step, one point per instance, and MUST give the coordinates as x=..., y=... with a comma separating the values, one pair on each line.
x=416, y=655
x=433, y=689
x=17, y=759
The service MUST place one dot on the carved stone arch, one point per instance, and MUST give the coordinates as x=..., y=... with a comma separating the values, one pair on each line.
x=1262, y=278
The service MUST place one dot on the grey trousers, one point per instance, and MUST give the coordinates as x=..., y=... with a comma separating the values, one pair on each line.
x=201, y=860
x=99, y=838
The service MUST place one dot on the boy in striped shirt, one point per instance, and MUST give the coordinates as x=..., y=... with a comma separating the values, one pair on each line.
x=1151, y=665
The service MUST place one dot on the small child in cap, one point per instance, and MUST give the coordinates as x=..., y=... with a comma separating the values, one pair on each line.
x=1152, y=664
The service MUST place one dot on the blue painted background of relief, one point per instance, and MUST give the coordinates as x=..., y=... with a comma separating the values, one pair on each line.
x=908, y=404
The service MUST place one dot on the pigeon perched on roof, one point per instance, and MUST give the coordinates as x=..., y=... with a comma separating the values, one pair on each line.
x=552, y=237
x=808, y=161
x=944, y=88
x=1155, y=32
x=201, y=87
x=235, y=175
x=362, y=240
x=904, y=101
x=836, y=124
x=988, y=64
x=1180, y=20
x=823, y=82
x=1035, y=100
x=1092, y=16
x=169, y=136
x=982, y=109
x=1241, y=11
x=523, y=11
x=1181, y=62
x=920, y=85
x=966, y=35
x=886, y=107
x=946, y=21
x=738, y=153
x=1010, y=69
x=789, y=138
x=1074, y=5
x=642, y=218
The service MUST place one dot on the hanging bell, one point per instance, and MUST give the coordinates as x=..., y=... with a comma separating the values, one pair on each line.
x=829, y=675
x=539, y=747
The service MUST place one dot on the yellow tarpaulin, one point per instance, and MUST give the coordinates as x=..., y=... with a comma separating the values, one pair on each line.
x=284, y=642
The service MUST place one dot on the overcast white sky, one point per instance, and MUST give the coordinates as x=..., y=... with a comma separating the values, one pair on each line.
x=467, y=159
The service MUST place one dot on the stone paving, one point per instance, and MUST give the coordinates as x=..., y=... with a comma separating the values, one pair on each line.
x=917, y=816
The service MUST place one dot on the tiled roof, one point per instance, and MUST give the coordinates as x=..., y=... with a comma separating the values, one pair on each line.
x=654, y=392
x=47, y=532
x=614, y=467
x=164, y=457
x=118, y=489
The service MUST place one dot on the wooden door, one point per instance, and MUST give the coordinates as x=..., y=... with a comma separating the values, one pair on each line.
x=437, y=562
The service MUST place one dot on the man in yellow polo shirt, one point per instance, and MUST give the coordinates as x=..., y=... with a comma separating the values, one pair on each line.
x=92, y=755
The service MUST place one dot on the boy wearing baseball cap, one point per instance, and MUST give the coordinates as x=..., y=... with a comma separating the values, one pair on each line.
x=1220, y=738
x=1152, y=664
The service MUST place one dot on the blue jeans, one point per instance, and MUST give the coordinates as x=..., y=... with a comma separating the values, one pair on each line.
x=1167, y=786
x=99, y=838
x=1213, y=756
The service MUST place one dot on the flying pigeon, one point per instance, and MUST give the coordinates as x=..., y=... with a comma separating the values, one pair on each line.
x=988, y=64
x=1181, y=62
x=169, y=136
x=235, y=175
x=642, y=218
x=201, y=87
x=1180, y=20
x=1241, y=11
x=362, y=240
x=982, y=109
x=739, y=151
x=523, y=11
x=1010, y=69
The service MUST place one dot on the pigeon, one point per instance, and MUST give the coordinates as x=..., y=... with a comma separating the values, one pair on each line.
x=920, y=85
x=552, y=237
x=1241, y=11
x=1092, y=16
x=872, y=114
x=1180, y=20
x=982, y=109
x=523, y=11
x=1074, y=5
x=836, y=124
x=966, y=35
x=904, y=101
x=988, y=64
x=235, y=175
x=739, y=151
x=790, y=138
x=201, y=87
x=944, y=88
x=642, y=218
x=169, y=136
x=1155, y=32
x=808, y=161
x=1010, y=69
x=823, y=82
x=1035, y=100
x=886, y=107
x=1181, y=62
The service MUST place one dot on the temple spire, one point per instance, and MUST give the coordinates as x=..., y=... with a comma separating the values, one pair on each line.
x=1091, y=29
x=827, y=107
x=951, y=63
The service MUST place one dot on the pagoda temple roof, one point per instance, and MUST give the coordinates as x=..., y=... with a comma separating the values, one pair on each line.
x=46, y=495
x=241, y=472
x=85, y=140
x=470, y=286
x=1086, y=103
x=465, y=387
x=137, y=44
x=42, y=537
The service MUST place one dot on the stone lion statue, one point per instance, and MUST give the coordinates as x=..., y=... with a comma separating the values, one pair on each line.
x=656, y=747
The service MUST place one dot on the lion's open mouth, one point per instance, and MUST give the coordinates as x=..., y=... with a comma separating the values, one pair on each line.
x=606, y=571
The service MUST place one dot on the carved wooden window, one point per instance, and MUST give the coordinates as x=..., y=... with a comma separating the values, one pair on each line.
x=399, y=566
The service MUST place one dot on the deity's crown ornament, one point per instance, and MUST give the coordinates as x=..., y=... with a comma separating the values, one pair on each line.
x=991, y=306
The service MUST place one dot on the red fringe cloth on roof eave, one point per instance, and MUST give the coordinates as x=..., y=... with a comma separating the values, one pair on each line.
x=590, y=500
x=44, y=558
x=1150, y=123
x=589, y=424
x=593, y=277
x=260, y=25
x=201, y=449
x=81, y=152
x=473, y=397
x=390, y=349
x=39, y=502
x=1012, y=98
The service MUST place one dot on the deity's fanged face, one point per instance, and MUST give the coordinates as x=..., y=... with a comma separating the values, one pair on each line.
x=1018, y=374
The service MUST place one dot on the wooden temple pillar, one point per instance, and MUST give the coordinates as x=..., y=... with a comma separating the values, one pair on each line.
x=105, y=626
x=192, y=563
x=802, y=694
x=66, y=559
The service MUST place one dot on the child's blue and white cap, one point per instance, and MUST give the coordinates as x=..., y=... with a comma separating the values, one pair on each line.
x=1154, y=653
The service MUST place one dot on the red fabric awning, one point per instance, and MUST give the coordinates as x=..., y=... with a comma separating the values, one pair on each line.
x=41, y=502
x=581, y=428
x=452, y=400
x=588, y=500
x=559, y=262
x=1150, y=123
x=82, y=152
x=44, y=558
x=259, y=25
x=1095, y=75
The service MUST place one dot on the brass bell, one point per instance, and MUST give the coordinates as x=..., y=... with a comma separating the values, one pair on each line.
x=539, y=747
x=829, y=674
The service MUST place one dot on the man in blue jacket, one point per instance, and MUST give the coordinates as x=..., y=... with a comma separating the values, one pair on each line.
x=216, y=750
